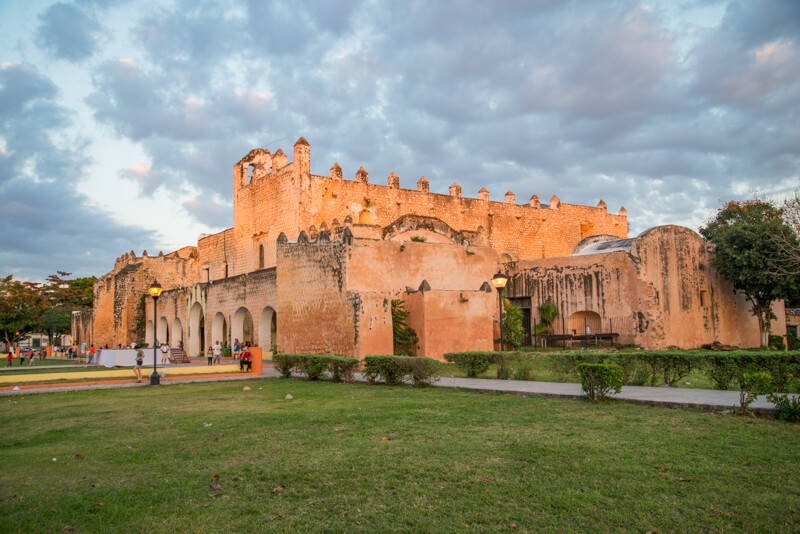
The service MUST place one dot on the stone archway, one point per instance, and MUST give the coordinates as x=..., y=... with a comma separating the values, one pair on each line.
x=242, y=325
x=149, y=331
x=584, y=323
x=162, y=332
x=197, y=331
x=177, y=333
x=219, y=330
x=268, y=329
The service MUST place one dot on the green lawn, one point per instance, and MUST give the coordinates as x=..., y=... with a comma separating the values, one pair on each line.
x=348, y=458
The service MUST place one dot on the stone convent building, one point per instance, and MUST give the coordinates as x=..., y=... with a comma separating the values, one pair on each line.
x=313, y=262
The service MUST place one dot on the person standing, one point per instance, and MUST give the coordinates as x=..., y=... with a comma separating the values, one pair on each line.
x=210, y=354
x=217, y=352
x=137, y=369
x=10, y=359
x=164, y=353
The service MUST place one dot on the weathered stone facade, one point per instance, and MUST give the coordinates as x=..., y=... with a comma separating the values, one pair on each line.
x=313, y=262
x=656, y=291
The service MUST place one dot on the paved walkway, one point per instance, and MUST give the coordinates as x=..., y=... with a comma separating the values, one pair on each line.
x=704, y=399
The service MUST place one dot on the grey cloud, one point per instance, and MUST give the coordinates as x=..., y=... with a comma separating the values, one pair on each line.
x=585, y=101
x=215, y=212
x=20, y=85
x=752, y=58
x=67, y=32
x=44, y=220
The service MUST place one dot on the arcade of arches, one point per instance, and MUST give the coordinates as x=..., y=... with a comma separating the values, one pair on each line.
x=239, y=326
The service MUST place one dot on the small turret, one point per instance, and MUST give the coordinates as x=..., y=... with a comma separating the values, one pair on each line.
x=336, y=172
x=362, y=175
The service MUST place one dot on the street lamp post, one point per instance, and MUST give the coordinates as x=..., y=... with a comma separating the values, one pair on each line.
x=499, y=281
x=155, y=292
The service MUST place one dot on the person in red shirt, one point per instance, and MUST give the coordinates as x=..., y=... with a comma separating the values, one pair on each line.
x=246, y=360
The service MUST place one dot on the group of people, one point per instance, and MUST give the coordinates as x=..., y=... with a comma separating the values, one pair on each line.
x=241, y=352
x=30, y=354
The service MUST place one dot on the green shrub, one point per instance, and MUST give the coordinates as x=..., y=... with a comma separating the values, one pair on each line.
x=513, y=331
x=792, y=342
x=421, y=371
x=522, y=367
x=472, y=363
x=343, y=369
x=776, y=342
x=598, y=380
x=669, y=366
x=754, y=384
x=787, y=407
x=635, y=370
x=284, y=363
x=722, y=369
x=384, y=367
x=311, y=365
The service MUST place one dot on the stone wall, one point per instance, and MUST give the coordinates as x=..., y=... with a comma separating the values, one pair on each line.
x=317, y=312
x=265, y=185
x=661, y=294
x=335, y=296
x=118, y=294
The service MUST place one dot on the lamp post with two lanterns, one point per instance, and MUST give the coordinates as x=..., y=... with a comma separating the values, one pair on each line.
x=155, y=292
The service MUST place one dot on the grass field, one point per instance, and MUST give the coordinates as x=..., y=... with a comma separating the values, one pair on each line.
x=349, y=458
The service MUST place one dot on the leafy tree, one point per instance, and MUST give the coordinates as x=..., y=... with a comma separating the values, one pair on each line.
x=55, y=320
x=513, y=331
x=21, y=307
x=405, y=337
x=548, y=313
x=62, y=295
x=746, y=253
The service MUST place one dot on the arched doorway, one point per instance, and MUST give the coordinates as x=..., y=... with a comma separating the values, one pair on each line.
x=148, y=333
x=162, y=332
x=585, y=323
x=177, y=333
x=197, y=331
x=219, y=330
x=268, y=329
x=242, y=325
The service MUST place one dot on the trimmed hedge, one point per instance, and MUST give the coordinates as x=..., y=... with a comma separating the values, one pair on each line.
x=284, y=363
x=384, y=367
x=598, y=380
x=343, y=369
x=315, y=366
x=472, y=363
x=509, y=364
x=725, y=369
x=394, y=369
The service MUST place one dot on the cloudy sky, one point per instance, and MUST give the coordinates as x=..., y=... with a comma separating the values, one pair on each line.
x=120, y=121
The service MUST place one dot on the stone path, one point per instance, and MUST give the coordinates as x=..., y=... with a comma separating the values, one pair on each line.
x=704, y=399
